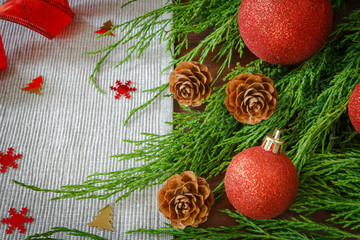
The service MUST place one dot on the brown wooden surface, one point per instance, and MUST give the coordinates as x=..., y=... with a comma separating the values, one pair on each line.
x=216, y=218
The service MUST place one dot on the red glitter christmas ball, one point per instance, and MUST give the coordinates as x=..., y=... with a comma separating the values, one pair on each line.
x=287, y=31
x=354, y=108
x=261, y=184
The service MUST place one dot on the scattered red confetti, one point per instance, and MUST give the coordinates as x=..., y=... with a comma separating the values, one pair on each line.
x=8, y=159
x=123, y=89
x=17, y=220
x=35, y=86
x=105, y=28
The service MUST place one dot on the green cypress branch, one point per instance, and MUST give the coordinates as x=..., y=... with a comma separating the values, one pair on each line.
x=70, y=232
x=279, y=229
x=186, y=17
x=160, y=89
x=331, y=182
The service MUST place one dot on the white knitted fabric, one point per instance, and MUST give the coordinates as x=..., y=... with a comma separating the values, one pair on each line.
x=70, y=131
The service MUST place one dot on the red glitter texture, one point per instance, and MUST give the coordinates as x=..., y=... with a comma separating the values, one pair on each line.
x=354, y=108
x=17, y=220
x=123, y=89
x=285, y=32
x=261, y=184
x=8, y=159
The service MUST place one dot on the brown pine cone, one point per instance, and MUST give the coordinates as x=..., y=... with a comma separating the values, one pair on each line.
x=190, y=83
x=185, y=200
x=251, y=98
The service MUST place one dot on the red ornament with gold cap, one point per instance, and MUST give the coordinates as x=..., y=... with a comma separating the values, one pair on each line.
x=261, y=182
x=286, y=31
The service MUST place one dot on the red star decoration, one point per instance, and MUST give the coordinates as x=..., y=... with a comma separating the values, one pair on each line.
x=17, y=220
x=8, y=159
x=123, y=89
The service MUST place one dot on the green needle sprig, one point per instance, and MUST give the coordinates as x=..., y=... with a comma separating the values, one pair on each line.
x=331, y=182
x=68, y=231
x=248, y=229
x=172, y=23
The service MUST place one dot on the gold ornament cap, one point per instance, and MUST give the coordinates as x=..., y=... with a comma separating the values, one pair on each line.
x=273, y=143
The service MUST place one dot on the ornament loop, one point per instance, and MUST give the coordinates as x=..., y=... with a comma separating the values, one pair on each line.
x=273, y=143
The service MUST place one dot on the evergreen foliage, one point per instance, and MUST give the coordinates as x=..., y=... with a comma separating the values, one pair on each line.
x=173, y=23
x=320, y=140
x=68, y=231
x=331, y=182
x=248, y=229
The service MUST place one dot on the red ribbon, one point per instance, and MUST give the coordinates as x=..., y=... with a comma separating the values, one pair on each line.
x=3, y=64
x=47, y=17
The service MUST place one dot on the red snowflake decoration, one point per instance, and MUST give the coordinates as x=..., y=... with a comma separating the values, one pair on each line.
x=123, y=89
x=8, y=159
x=17, y=220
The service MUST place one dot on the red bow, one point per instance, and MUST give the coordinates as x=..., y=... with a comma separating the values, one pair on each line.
x=47, y=17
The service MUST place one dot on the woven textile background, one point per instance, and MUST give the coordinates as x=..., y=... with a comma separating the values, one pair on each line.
x=70, y=131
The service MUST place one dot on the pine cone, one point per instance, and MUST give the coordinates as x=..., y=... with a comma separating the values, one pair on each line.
x=185, y=200
x=251, y=98
x=190, y=83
